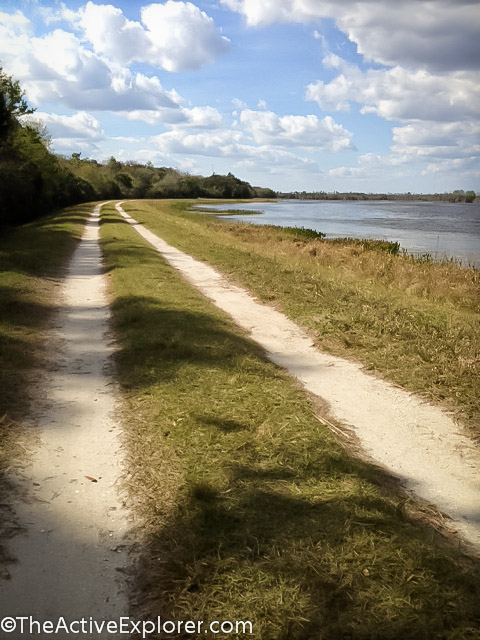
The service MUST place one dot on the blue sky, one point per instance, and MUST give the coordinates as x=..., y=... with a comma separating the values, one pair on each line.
x=373, y=96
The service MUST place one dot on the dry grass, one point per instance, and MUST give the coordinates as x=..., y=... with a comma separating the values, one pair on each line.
x=251, y=509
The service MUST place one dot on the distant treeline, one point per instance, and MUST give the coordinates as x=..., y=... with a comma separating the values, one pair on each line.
x=455, y=196
x=33, y=180
x=114, y=179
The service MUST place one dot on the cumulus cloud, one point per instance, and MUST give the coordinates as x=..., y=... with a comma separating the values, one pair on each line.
x=231, y=144
x=57, y=67
x=264, y=159
x=110, y=33
x=374, y=165
x=80, y=132
x=440, y=35
x=397, y=93
x=182, y=36
x=431, y=83
x=195, y=117
x=211, y=144
x=174, y=36
x=437, y=140
x=468, y=167
x=309, y=131
x=15, y=23
x=79, y=125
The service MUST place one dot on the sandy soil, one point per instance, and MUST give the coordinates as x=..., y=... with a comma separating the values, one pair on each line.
x=417, y=442
x=71, y=558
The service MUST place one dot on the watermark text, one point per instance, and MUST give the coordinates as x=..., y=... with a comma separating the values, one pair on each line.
x=28, y=625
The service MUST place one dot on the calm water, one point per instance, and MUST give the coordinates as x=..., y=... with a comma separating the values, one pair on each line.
x=439, y=228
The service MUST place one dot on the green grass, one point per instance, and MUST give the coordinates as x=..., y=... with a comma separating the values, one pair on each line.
x=415, y=322
x=249, y=508
x=32, y=258
x=226, y=212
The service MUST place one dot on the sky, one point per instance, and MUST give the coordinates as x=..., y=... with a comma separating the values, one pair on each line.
x=315, y=95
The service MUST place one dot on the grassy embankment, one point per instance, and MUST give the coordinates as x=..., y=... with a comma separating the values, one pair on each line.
x=31, y=259
x=416, y=323
x=251, y=509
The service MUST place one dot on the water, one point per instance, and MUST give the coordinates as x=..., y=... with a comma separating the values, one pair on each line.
x=442, y=229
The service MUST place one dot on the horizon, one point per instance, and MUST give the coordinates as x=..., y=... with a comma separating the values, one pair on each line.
x=373, y=98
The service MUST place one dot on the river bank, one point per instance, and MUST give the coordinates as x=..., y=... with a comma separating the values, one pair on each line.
x=431, y=230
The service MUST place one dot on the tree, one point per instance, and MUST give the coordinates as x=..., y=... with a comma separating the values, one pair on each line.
x=12, y=103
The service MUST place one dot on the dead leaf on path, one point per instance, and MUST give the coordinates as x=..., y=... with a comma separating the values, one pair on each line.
x=91, y=479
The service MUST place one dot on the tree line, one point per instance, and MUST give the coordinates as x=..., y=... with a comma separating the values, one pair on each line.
x=33, y=180
x=455, y=196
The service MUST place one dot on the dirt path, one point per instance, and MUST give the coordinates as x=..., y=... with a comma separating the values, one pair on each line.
x=68, y=560
x=418, y=442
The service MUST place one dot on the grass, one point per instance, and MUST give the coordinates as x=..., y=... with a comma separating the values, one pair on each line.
x=415, y=322
x=250, y=509
x=226, y=212
x=31, y=259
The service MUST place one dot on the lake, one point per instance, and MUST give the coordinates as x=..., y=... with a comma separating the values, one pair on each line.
x=442, y=229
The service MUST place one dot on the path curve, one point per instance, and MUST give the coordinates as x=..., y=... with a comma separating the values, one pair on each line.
x=69, y=559
x=417, y=442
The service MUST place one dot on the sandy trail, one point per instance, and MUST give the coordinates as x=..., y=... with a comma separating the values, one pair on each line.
x=68, y=560
x=417, y=442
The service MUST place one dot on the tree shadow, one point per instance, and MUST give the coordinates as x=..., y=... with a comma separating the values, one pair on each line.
x=41, y=248
x=127, y=253
x=257, y=532
x=156, y=341
x=223, y=424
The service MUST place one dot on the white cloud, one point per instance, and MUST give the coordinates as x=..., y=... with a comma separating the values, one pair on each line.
x=308, y=131
x=264, y=159
x=211, y=144
x=182, y=36
x=58, y=68
x=232, y=145
x=67, y=146
x=195, y=117
x=398, y=94
x=437, y=140
x=454, y=166
x=15, y=23
x=174, y=36
x=348, y=172
x=80, y=125
x=374, y=167
x=202, y=118
x=441, y=35
x=438, y=134
x=111, y=34
x=239, y=104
